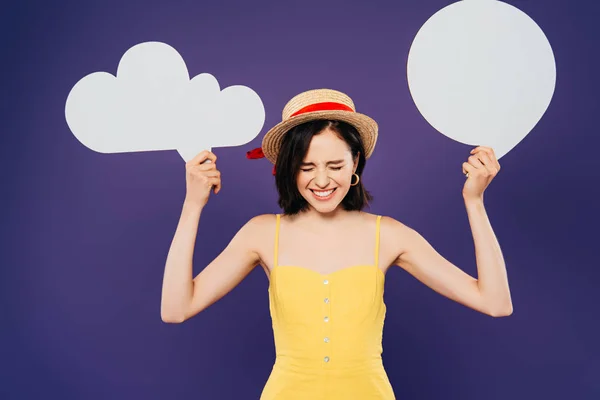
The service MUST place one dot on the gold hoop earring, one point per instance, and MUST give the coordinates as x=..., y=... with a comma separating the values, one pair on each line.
x=357, y=180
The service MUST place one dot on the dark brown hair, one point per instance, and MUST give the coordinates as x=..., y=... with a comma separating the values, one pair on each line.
x=294, y=147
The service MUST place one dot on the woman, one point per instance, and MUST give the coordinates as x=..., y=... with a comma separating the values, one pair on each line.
x=326, y=259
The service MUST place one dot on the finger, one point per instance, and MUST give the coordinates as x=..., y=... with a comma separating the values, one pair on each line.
x=217, y=187
x=202, y=157
x=195, y=171
x=210, y=181
x=493, y=161
x=215, y=182
x=198, y=158
x=482, y=149
x=212, y=174
x=468, y=169
x=486, y=148
x=211, y=157
x=490, y=153
x=475, y=162
x=205, y=167
x=487, y=162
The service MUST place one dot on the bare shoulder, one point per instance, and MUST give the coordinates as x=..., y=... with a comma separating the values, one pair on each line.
x=261, y=223
x=392, y=225
x=395, y=237
x=258, y=228
x=252, y=233
x=388, y=226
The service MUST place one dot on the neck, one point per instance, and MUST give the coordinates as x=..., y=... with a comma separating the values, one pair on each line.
x=321, y=218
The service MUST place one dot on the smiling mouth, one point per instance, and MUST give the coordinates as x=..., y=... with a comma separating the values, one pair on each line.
x=323, y=193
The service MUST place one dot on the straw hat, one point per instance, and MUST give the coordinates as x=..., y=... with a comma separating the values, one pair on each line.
x=319, y=104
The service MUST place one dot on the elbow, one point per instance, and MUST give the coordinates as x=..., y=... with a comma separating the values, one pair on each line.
x=502, y=312
x=172, y=316
x=171, y=319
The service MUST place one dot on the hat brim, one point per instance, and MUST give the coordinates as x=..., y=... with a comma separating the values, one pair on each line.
x=365, y=125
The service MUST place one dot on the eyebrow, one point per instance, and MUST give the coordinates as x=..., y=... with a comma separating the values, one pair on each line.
x=327, y=163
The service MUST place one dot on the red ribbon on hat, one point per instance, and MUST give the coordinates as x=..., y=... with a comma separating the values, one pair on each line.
x=257, y=153
x=325, y=106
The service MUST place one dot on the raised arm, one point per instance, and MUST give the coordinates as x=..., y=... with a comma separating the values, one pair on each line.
x=417, y=257
x=489, y=293
x=422, y=261
x=182, y=295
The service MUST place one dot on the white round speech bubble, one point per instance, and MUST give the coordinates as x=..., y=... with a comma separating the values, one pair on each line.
x=152, y=104
x=482, y=72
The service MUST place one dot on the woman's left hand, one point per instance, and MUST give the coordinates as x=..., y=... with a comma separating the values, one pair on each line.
x=480, y=169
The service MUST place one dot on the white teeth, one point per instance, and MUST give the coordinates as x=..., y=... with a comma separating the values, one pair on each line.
x=323, y=194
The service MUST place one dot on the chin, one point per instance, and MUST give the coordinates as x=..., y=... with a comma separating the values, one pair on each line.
x=324, y=208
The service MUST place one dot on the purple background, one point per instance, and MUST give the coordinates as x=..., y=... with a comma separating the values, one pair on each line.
x=85, y=235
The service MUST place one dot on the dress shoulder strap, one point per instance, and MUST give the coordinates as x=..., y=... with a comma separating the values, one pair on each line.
x=377, y=241
x=276, y=240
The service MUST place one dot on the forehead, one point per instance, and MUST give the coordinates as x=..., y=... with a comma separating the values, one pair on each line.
x=327, y=144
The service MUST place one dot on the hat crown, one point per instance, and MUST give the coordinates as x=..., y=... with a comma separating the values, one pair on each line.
x=315, y=96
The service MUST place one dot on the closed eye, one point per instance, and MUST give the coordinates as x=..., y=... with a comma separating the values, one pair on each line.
x=333, y=168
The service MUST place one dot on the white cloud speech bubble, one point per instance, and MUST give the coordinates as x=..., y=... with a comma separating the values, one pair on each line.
x=482, y=72
x=152, y=104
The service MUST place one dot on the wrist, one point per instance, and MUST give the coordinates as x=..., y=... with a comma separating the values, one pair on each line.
x=192, y=205
x=469, y=200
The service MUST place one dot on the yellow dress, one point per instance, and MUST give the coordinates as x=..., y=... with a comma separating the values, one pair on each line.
x=327, y=330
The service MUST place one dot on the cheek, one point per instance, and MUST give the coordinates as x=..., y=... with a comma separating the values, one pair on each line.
x=343, y=178
x=302, y=181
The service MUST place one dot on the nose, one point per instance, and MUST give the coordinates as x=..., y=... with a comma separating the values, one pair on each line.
x=322, y=178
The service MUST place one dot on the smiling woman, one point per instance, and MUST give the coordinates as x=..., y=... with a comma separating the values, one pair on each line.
x=318, y=157
x=326, y=258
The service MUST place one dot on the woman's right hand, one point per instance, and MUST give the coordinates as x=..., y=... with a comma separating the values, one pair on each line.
x=201, y=176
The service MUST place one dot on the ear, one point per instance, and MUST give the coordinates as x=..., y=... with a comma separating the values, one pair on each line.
x=356, y=162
